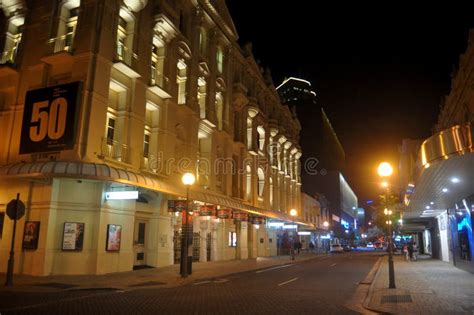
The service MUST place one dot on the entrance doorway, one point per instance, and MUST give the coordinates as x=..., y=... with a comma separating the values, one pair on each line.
x=139, y=240
x=177, y=246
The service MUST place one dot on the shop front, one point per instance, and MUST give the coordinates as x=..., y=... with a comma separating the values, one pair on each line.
x=440, y=207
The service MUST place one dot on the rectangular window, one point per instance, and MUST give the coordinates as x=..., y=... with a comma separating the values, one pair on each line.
x=232, y=239
x=141, y=233
x=110, y=130
x=146, y=145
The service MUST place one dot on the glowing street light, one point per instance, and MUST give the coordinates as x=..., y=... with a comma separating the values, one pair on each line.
x=385, y=169
x=188, y=179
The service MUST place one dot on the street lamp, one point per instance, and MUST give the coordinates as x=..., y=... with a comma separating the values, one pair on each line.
x=293, y=213
x=385, y=170
x=325, y=224
x=188, y=180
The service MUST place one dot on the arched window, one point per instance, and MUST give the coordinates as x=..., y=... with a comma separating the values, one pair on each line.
x=261, y=138
x=248, y=186
x=261, y=181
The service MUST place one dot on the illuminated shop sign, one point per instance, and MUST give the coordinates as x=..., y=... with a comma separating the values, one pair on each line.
x=275, y=224
x=304, y=233
x=345, y=223
x=463, y=224
x=121, y=195
x=49, y=118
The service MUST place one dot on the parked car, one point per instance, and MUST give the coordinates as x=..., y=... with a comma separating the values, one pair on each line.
x=336, y=248
x=378, y=245
x=370, y=245
x=346, y=248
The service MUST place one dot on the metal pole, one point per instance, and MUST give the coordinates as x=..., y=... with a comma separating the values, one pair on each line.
x=184, y=238
x=391, y=270
x=9, y=281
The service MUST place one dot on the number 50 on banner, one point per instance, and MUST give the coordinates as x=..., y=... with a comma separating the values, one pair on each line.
x=49, y=118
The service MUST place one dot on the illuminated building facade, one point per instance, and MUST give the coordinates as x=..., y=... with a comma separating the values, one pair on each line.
x=440, y=200
x=101, y=113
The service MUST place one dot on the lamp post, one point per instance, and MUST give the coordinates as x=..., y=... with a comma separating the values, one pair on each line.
x=188, y=180
x=385, y=170
x=293, y=214
x=327, y=245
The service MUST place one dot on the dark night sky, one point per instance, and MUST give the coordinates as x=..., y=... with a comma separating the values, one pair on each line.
x=379, y=71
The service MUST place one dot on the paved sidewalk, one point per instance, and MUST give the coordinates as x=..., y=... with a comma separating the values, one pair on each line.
x=164, y=276
x=426, y=286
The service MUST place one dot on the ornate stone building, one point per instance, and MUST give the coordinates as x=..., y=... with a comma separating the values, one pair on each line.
x=457, y=108
x=111, y=99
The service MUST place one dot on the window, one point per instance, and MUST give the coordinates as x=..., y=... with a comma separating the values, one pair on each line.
x=261, y=138
x=261, y=181
x=158, y=53
x=110, y=130
x=203, y=41
x=248, y=186
x=249, y=133
x=220, y=59
x=219, y=109
x=146, y=145
x=141, y=233
x=232, y=239
x=202, y=93
x=125, y=30
x=12, y=40
x=181, y=80
x=121, y=38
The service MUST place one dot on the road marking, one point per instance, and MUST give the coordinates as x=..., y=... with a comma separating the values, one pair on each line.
x=273, y=268
x=286, y=282
x=221, y=280
x=333, y=265
x=202, y=282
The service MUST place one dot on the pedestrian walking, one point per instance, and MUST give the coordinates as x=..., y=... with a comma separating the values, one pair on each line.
x=410, y=250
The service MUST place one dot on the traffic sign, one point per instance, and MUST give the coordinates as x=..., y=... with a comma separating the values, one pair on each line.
x=15, y=209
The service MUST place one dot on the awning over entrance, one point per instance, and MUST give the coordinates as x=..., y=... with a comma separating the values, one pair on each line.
x=104, y=172
x=447, y=172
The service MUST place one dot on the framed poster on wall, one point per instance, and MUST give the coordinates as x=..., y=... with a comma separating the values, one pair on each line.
x=73, y=236
x=114, y=236
x=31, y=235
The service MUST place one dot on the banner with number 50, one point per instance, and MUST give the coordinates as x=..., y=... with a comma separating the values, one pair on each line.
x=49, y=118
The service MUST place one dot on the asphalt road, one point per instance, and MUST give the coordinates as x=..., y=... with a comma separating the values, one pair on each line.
x=323, y=285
